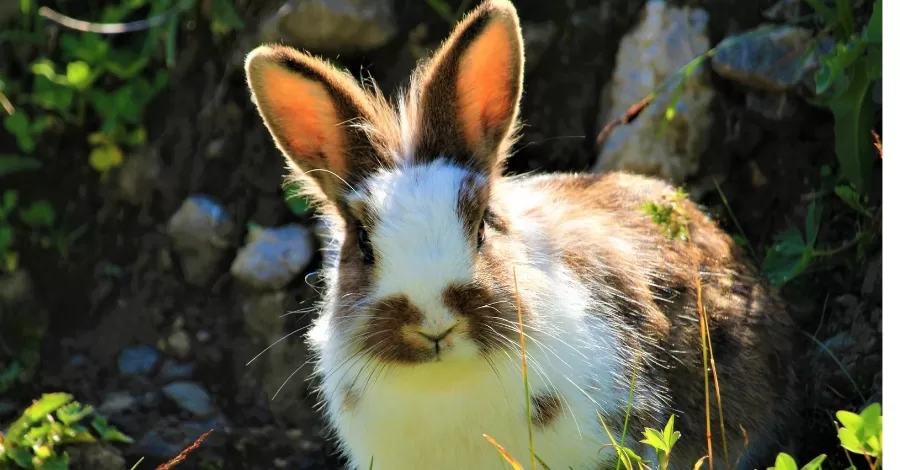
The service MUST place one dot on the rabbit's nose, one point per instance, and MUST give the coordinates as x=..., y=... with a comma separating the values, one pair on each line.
x=436, y=336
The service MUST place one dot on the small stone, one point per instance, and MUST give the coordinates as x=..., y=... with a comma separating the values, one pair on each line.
x=663, y=42
x=179, y=342
x=191, y=397
x=772, y=106
x=273, y=257
x=175, y=371
x=78, y=360
x=770, y=58
x=203, y=336
x=200, y=231
x=138, y=360
x=117, y=402
x=333, y=26
x=138, y=176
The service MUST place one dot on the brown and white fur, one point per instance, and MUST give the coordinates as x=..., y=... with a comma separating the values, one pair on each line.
x=417, y=344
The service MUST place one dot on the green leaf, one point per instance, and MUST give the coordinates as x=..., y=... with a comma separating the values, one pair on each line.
x=813, y=218
x=814, y=464
x=785, y=462
x=853, y=116
x=38, y=214
x=825, y=12
x=852, y=199
x=787, y=257
x=73, y=412
x=849, y=419
x=849, y=440
x=105, y=158
x=20, y=456
x=19, y=125
x=48, y=403
x=109, y=433
x=7, y=237
x=78, y=74
x=10, y=199
x=872, y=33
x=45, y=68
x=655, y=439
x=56, y=462
x=873, y=62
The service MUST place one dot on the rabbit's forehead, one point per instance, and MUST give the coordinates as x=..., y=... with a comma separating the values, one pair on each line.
x=424, y=245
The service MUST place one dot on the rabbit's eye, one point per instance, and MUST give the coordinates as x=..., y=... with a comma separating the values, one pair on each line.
x=365, y=245
x=480, y=240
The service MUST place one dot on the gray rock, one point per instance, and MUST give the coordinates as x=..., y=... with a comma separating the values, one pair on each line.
x=97, y=456
x=117, y=402
x=273, y=257
x=138, y=176
x=770, y=57
x=201, y=232
x=666, y=39
x=15, y=287
x=175, y=371
x=332, y=26
x=138, y=360
x=191, y=397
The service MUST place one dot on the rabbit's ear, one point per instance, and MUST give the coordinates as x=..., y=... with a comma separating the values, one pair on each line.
x=465, y=100
x=310, y=107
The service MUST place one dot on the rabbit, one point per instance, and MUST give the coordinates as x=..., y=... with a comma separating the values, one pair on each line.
x=438, y=253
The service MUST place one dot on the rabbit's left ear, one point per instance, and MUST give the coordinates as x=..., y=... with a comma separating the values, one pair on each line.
x=468, y=95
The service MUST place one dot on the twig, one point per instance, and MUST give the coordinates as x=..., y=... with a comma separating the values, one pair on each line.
x=524, y=370
x=184, y=453
x=108, y=28
x=633, y=112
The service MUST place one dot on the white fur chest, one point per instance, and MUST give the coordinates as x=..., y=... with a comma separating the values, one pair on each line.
x=426, y=419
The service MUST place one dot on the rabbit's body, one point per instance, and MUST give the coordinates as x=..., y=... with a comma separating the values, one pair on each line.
x=417, y=344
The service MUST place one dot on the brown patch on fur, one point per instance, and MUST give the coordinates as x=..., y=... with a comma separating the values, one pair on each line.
x=463, y=117
x=545, y=409
x=487, y=311
x=384, y=334
x=615, y=248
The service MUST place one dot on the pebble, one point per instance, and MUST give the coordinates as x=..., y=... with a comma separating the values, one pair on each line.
x=200, y=230
x=191, y=397
x=138, y=176
x=117, y=402
x=273, y=257
x=15, y=287
x=179, y=342
x=138, y=360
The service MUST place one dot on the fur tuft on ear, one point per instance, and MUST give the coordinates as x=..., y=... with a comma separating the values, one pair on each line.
x=319, y=117
x=465, y=101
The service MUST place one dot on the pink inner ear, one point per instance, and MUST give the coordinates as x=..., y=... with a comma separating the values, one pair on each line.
x=303, y=118
x=484, y=84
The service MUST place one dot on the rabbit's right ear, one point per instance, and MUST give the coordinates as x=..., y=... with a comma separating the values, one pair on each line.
x=309, y=108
